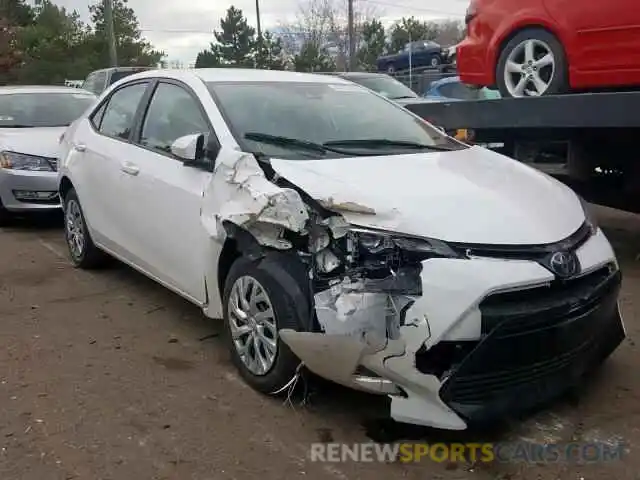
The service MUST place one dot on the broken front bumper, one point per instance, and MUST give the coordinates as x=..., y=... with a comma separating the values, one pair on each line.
x=487, y=338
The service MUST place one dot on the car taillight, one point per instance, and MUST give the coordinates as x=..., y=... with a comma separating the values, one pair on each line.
x=472, y=11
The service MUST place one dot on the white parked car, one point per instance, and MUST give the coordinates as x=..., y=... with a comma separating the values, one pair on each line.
x=31, y=122
x=335, y=230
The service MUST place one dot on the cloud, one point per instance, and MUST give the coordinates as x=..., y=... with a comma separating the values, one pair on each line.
x=184, y=27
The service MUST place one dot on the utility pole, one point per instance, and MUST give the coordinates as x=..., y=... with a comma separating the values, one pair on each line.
x=259, y=28
x=111, y=37
x=352, y=39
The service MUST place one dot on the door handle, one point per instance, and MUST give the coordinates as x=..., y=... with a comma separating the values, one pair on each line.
x=80, y=147
x=130, y=168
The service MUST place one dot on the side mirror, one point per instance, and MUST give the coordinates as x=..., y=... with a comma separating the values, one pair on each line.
x=189, y=148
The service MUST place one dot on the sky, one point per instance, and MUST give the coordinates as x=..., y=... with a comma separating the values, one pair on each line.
x=182, y=28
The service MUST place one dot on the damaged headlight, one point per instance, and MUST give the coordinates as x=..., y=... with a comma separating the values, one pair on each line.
x=376, y=242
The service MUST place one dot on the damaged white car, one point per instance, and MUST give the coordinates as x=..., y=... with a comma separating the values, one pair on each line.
x=335, y=230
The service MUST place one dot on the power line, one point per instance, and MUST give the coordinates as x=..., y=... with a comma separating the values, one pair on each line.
x=410, y=8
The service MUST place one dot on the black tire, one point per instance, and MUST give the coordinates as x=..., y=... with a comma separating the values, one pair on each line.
x=435, y=61
x=391, y=69
x=286, y=364
x=559, y=82
x=5, y=217
x=90, y=256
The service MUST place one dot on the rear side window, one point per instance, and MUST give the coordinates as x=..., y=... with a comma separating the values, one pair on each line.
x=118, y=117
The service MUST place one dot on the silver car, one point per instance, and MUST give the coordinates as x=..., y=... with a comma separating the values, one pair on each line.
x=32, y=121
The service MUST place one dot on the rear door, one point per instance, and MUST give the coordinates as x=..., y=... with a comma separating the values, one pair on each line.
x=100, y=145
x=603, y=38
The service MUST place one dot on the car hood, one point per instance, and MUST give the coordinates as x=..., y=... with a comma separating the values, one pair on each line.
x=43, y=142
x=472, y=195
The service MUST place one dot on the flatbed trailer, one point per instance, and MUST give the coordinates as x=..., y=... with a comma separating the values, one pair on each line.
x=590, y=141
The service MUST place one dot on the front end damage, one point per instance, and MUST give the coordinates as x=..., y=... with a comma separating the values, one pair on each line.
x=452, y=334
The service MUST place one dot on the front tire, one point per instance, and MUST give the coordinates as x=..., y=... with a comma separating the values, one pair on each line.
x=532, y=63
x=5, y=217
x=256, y=307
x=82, y=251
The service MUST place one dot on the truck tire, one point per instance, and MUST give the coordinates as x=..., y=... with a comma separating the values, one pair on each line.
x=532, y=63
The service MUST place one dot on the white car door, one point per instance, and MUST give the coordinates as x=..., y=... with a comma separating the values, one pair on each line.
x=163, y=196
x=100, y=145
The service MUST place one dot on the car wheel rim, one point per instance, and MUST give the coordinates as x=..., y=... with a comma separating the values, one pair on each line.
x=529, y=69
x=75, y=229
x=434, y=62
x=253, y=325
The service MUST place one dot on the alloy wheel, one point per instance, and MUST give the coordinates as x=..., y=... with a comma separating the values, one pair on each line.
x=74, y=226
x=529, y=69
x=253, y=325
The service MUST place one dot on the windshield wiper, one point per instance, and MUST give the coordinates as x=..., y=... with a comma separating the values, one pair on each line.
x=16, y=126
x=404, y=96
x=383, y=142
x=292, y=142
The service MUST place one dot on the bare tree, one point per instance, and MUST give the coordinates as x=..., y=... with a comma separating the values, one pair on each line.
x=324, y=22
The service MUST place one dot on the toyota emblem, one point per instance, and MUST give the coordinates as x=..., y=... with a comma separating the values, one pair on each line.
x=563, y=264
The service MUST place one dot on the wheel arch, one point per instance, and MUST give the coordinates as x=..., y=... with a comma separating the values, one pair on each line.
x=64, y=187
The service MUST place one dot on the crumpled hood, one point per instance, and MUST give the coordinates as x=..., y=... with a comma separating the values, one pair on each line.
x=471, y=195
x=43, y=142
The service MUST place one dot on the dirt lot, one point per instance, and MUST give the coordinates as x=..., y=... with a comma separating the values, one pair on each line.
x=108, y=376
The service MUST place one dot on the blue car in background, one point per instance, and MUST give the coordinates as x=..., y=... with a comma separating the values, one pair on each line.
x=451, y=89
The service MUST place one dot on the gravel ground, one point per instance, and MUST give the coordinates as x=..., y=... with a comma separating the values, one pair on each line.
x=106, y=375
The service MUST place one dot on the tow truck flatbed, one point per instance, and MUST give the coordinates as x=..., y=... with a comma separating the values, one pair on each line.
x=575, y=111
x=589, y=141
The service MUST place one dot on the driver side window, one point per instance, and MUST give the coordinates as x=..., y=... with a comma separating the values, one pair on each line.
x=172, y=113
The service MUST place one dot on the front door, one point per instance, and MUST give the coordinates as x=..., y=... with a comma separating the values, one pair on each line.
x=164, y=196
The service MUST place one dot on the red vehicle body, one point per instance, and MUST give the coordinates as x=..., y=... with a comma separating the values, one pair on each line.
x=596, y=42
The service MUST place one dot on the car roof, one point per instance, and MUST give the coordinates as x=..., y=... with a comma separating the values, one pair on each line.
x=121, y=69
x=239, y=75
x=445, y=80
x=363, y=75
x=42, y=89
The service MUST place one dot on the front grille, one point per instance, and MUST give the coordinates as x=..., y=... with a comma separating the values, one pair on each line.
x=535, y=343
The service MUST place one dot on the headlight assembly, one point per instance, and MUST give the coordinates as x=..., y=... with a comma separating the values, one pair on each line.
x=590, y=218
x=20, y=161
x=373, y=241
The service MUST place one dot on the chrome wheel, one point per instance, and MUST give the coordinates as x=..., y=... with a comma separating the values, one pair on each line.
x=74, y=226
x=253, y=325
x=529, y=69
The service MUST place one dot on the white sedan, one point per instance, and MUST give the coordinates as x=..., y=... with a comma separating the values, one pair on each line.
x=31, y=122
x=334, y=230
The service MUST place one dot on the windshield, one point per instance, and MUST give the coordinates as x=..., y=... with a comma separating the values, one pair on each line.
x=386, y=86
x=42, y=109
x=321, y=113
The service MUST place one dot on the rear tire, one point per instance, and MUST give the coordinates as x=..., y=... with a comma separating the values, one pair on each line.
x=82, y=251
x=558, y=80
